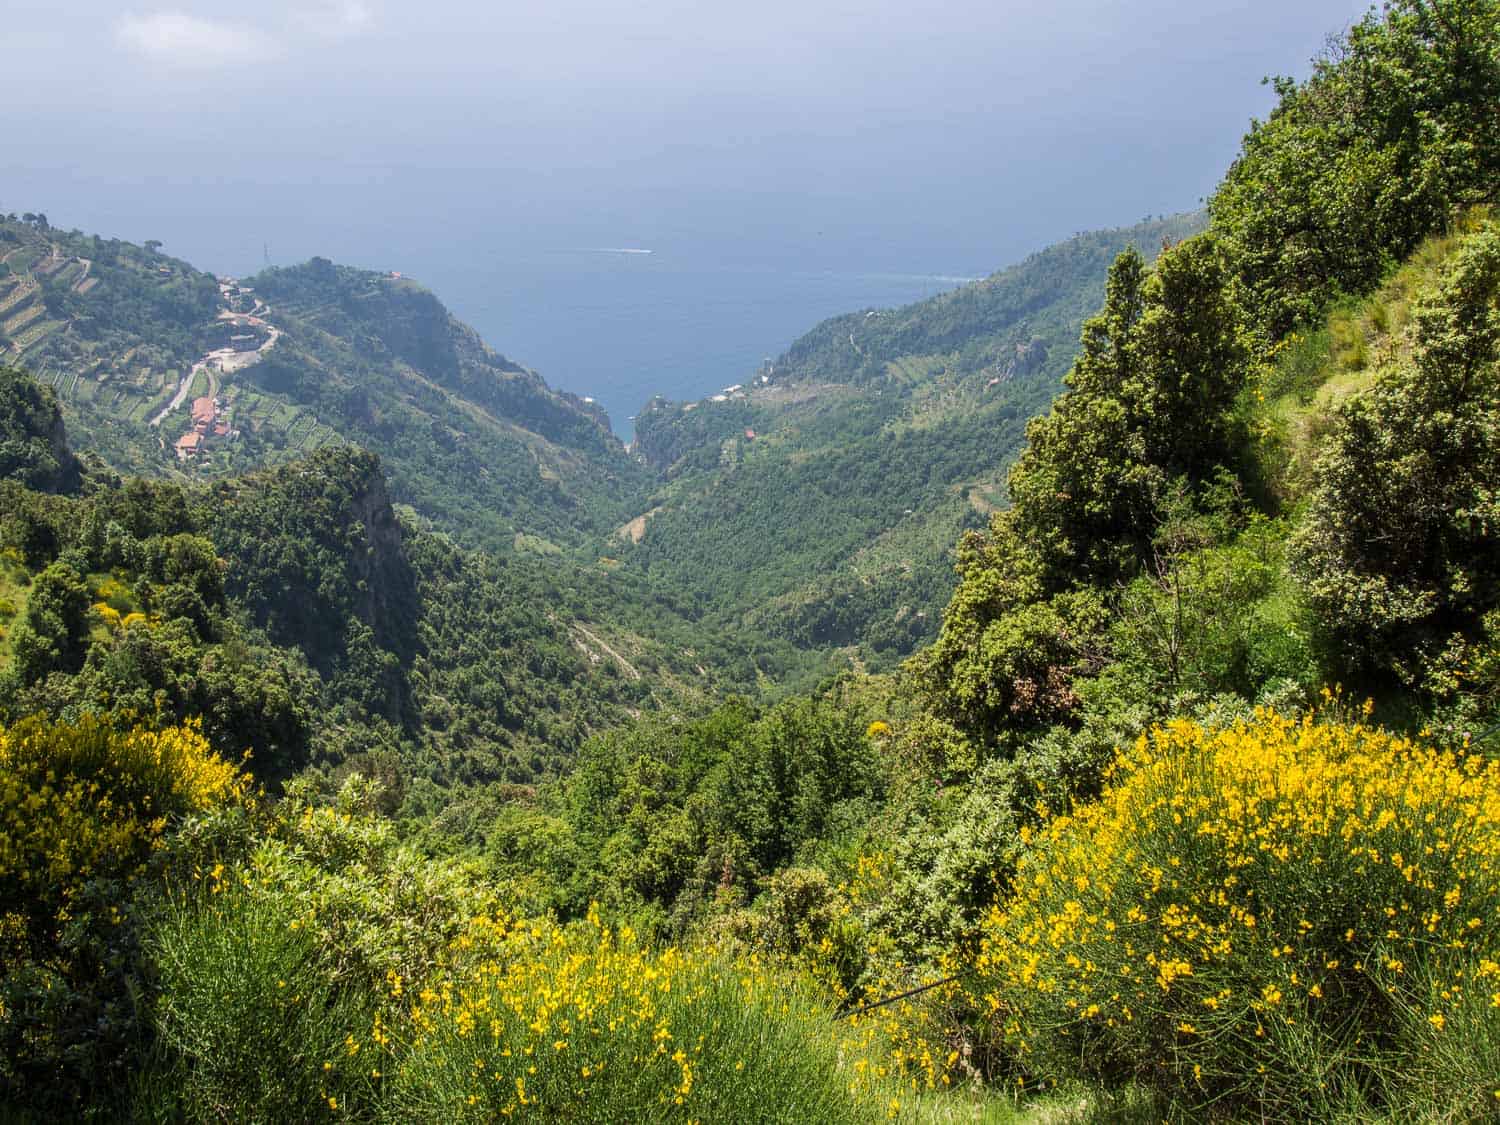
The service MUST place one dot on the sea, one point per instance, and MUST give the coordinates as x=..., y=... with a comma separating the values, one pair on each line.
x=620, y=325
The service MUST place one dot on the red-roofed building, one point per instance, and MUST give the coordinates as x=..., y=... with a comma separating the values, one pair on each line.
x=188, y=445
x=205, y=414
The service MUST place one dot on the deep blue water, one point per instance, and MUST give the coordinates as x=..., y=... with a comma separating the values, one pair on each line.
x=624, y=327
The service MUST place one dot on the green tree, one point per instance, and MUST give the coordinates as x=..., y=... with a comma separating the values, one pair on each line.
x=1357, y=164
x=1147, y=414
x=1398, y=550
x=1149, y=400
x=54, y=634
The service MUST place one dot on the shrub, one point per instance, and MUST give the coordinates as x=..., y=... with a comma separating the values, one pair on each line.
x=84, y=805
x=1274, y=919
x=1397, y=550
x=84, y=810
x=377, y=906
x=250, y=1022
x=587, y=1025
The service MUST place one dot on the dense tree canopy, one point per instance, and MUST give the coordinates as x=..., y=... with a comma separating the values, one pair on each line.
x=1399, y=547
x=32, y=448
x=1149, y=401
x=1395, y=127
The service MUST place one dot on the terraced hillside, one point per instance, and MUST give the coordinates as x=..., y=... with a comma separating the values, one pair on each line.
x=820, y=500
x=114, y=328
x=166, y=370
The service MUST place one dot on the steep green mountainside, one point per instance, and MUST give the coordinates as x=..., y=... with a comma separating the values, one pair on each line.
x=295, y=611
x=166, y=370
x=480, y=444
x=113, y=327
x=811, y=512
x=820, y=501
x=991, y=327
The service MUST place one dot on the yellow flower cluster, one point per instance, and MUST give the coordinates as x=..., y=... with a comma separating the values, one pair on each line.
x=86, y=801
x=543, y=1020
x=115, y=621
x=900, y=1045
x=905, y=1044
x=1239, y=892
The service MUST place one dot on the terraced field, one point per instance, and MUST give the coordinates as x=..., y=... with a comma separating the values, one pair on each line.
x=27, y=314
x=917, y=369
x=19, y=292
x=150, y=319
x=35, y=335
x=277, y=422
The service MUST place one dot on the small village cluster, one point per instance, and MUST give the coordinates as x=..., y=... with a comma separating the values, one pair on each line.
x=210, y=422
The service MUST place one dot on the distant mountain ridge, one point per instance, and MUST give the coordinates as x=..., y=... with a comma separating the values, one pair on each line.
x=821, y=498
x=298, y=358
x=816, y=502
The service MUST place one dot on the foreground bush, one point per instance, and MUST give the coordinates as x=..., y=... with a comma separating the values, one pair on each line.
x=82, y=802
x=270, y=966
x=250, y=1024
x=587, y=1025
x=1284, y=919
x=85, y=812
x=329, y=971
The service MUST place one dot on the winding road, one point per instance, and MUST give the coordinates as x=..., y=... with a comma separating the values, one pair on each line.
x=225, y=360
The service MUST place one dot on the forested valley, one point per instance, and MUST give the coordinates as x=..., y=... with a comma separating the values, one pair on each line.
x=1076, y=697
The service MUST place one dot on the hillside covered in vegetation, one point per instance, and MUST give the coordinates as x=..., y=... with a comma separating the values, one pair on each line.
x=814, y=510
x=820, y=501
x=140, y=346
x=1190, y=810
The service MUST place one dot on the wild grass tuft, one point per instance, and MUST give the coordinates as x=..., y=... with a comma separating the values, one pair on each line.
x=250, y=1023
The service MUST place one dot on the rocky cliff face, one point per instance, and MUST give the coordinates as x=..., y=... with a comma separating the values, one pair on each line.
x=317, y=558
x=33, y=441
x=386, y=595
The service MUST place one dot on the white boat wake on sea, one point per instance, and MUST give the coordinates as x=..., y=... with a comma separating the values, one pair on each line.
x=617, y=250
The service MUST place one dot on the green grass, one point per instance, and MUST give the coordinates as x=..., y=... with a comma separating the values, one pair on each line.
x=248, y=1017
x=15, y=590
x=1075, y=1105
x=1316, y=369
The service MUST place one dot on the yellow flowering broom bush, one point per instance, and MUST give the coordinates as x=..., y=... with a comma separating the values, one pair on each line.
x=587, y=1024
x=83, y=809
x=1285, y=919
x=86, y=804
x=331, y=969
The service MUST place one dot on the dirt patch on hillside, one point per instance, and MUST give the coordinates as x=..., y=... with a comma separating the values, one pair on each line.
x=635, y=530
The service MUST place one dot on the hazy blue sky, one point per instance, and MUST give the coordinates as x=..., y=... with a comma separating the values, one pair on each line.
x=952, y=135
